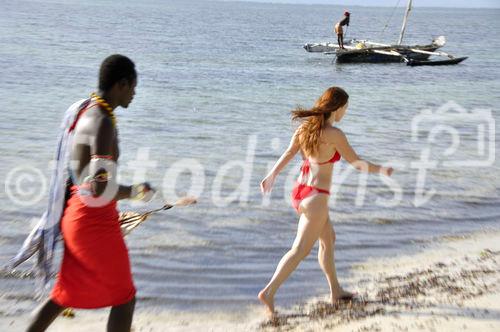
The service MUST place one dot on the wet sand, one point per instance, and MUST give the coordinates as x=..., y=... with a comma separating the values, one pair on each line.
x=451, y=285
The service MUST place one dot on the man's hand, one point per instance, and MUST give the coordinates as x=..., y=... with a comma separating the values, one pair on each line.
x=142, y=192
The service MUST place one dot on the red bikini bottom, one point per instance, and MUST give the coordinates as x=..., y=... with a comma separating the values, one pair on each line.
x=301, y=191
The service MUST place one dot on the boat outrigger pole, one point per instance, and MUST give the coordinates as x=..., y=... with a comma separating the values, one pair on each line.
x=403, y=28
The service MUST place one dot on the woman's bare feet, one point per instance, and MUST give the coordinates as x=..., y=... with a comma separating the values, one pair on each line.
x=268, y=301
x=342, y=296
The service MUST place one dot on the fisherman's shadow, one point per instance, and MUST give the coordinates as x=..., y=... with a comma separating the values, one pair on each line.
x=362, y=68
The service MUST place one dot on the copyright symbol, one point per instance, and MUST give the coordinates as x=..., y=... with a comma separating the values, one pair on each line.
x=21, y=185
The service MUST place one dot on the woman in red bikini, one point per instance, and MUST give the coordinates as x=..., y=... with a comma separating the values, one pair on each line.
x=321, y=145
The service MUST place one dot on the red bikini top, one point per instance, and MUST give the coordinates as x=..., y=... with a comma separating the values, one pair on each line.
x=336, y=157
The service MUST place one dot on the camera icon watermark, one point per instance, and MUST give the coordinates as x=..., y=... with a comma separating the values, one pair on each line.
x=453, y=138
x=471, y=131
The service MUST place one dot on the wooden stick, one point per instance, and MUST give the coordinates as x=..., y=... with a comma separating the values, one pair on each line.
x=127, y=224
x=432, y=53
x=181, y=202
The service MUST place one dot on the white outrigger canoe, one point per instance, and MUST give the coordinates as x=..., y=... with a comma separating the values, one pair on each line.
x=356, y=51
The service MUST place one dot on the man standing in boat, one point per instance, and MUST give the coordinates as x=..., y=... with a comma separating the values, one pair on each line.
x=340, y=31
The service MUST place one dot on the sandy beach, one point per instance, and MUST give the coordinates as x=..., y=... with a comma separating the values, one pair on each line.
x=452, y=284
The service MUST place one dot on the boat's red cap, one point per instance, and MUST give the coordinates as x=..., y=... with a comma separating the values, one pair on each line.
x=347, y=13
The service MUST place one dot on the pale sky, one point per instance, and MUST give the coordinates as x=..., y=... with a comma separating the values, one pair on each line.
x=392, y=3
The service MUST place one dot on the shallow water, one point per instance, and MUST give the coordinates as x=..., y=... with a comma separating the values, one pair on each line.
x=217, y=81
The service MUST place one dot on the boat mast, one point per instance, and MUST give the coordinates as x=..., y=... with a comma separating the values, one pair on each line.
x=403, y=28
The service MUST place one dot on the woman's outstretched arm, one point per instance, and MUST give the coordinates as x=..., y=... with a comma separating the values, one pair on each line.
x=267, y=184
x=337, y=137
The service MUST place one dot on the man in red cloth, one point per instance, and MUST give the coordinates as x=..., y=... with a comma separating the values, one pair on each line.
x=95, y=270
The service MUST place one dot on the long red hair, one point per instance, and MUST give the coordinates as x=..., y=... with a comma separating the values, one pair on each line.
x=315, y=118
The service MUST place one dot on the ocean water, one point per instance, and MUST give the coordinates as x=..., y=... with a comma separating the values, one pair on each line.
x=216, y=83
